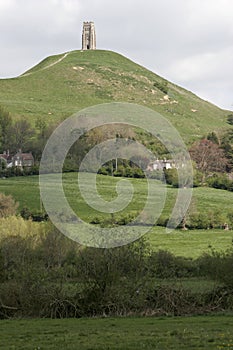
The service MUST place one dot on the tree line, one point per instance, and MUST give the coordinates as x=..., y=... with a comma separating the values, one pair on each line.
x=212, y=155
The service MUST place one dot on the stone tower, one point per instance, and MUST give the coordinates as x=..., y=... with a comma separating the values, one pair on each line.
x=88, y=36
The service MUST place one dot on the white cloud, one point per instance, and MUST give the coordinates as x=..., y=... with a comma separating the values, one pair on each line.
x=189, y=42
x=206, y=66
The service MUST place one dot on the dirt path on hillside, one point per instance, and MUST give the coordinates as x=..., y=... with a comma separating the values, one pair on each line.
x=46, y=67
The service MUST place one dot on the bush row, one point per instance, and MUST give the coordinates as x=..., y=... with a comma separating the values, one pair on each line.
x=48, y=275
x=16, y=171
x=196, y=219
x=220, y=181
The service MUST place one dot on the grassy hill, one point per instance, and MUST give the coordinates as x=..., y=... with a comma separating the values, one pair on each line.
x=61, y=85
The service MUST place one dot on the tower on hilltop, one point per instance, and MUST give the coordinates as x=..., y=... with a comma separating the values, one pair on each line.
x=88, y=36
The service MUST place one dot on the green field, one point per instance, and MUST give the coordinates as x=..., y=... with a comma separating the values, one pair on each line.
x=25, y=190
x=162, y=333
x=191, y=243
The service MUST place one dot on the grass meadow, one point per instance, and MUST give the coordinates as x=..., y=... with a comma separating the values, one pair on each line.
x=191, y=243
x=208, y=332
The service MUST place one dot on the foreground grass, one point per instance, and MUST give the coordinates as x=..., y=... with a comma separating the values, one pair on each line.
x=214, y=332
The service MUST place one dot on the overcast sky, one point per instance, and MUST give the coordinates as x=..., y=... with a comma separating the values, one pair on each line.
x=189, y=42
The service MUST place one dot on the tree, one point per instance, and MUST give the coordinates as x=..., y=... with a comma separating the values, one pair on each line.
x=42, y=134
x=5, y=129
x=226, y=145
x=209, y=157
x=22, y=134
x=102, y=268
x=41, y=126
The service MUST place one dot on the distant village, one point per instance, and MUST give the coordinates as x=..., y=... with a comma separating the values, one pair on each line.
x=21, y=160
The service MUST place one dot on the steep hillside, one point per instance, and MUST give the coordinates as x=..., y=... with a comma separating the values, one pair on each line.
x=63, y=84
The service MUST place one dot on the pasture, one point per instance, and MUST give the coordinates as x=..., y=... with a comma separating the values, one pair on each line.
x=191, y=243
x=208, y=332
x=25, y=190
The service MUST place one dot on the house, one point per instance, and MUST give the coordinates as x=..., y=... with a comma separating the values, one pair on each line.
x=23, y=159
x=161, y=164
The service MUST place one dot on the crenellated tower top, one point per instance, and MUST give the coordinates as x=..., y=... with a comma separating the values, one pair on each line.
x=88, y=36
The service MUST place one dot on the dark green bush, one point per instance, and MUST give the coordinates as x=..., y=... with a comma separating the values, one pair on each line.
x=220, y=181
x=164, y=264
x=33, y=215
x=230, y=119
x=218, y=266
x=208, y=220
x=162, y=86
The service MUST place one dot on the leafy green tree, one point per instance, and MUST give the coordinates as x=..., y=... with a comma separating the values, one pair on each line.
x=227, y=146
x=5, y=130
x=22, y=133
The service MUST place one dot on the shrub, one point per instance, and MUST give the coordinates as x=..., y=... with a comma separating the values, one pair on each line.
x=171, y=177
x=162, y=221
x=218, y=266
x=155, y=174
x=8, y=206
x=230, y=119
x=53, y=247
x=162, y=86
x=38, y=216
x=17, y=226
x=212, y=136
x=220, y=181
x=25, y=213
x=162, y=264
x=2, y=268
